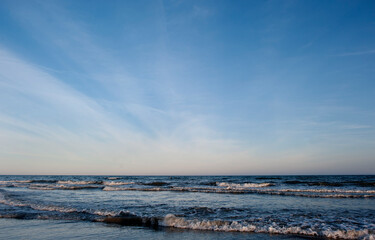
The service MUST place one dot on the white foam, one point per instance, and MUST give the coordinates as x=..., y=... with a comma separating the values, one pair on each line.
x=171, y=220
x=15, y=181
x=78, y=182
x=114, y=189
x=243, y=185
x=104, y=213
x=326, y=190
x=17, y=203
x=112, y=183
x=114, y=178
x=283, y=192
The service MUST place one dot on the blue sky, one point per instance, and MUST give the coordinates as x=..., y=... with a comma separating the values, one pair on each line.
x=187, y=87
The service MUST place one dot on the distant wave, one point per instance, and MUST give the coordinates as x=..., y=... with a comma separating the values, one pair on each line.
x=80, y=182
x=243, y=185
x=155, y=184
x=15, y=181
x=313, y=193
x=266, y=178
x=331, y=184
x=71, y=182
x=65, y=187
x=114, y=178
x=112, y=183
x=43, y=181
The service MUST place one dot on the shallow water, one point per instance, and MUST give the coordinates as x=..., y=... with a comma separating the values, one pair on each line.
x=58, y=229
x=314, y=206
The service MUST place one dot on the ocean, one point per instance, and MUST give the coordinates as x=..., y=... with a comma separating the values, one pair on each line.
x=187, y=207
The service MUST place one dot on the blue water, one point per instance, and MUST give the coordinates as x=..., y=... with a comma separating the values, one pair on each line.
x=315, y=206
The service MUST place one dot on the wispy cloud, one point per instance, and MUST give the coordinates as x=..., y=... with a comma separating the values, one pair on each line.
x=44, y=119
x=143, y=100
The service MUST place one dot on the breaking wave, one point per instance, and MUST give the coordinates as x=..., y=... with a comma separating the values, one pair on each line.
x=112, y=183
x=331, y=184
x=312, y=193
x=244, y=185
x=114, y=178
x=80, y=182
x=64, y=187
x=171, y=220
x=300, y=226
x=15, y=181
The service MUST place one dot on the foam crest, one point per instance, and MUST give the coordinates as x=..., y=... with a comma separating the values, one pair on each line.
x=281, y=192
x=114, y=189
x=17, y=203
x=79, y=182
x=107, y=188
x=243, y=185
x=112, y=183
x=41, y=188
x=171, y=220
x=114, y=178
x=15, y=181
x=64, y=187
x=327, y=191
x=53, y=208
x=104, y=213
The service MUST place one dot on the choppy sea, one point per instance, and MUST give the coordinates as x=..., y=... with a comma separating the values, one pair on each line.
x=189, y=207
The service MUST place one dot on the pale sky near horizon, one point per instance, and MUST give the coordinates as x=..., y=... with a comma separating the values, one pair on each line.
x=187, y=87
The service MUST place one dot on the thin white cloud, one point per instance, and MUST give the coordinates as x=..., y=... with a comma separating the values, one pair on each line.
x=86, y=133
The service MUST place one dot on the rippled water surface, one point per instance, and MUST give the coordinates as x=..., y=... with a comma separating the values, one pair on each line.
x=315, y=206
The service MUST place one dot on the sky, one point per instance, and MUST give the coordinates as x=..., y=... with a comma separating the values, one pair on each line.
x=187, y=87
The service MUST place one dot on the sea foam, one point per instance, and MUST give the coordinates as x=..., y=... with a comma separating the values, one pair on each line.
x=171, y=220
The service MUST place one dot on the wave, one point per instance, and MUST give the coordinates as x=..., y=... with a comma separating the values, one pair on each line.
x=15, y=181
x=64, y=187
x=326, y=191
x=155, y=184
x=304, y=227
x=243, y=185
x=51, y=181
x=43, y=181
x=41, y=188
x=171, y=220
x=80, y=182
x=327, y=184
x=363, y=183
x=28, y=181
x=94, y=182
x=208, y=183
x=221, y=188
x=331, y=184
x=122, y=217
x=17, y=203
x=114, y=178
x=52, y=208
x=130, y=219
x=312, y=193
x=112, y=183
x=266, y=178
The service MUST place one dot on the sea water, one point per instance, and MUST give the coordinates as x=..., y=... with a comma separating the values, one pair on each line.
x=188, y=207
